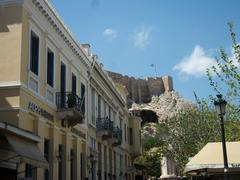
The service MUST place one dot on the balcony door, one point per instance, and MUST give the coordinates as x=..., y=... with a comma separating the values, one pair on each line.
x=63, y=77
x=74, y=84
x=63, y=84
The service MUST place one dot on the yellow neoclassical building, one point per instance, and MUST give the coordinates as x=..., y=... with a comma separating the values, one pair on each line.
x=61, y=116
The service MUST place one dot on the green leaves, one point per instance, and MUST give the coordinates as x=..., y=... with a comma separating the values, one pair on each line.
x=226, y=73
x=184, y=135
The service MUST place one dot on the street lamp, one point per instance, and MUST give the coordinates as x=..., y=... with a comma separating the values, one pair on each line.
x=220, y=106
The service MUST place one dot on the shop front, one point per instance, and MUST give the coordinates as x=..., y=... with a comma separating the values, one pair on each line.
x=18, y=147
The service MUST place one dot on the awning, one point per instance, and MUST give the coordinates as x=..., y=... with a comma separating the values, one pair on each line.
x=16, y=148
x=210, y=158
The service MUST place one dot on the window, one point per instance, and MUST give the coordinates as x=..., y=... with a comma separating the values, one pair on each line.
x=83, y=97
x=92, y=143
x=126, y=163
x=121, y=162
x=60, y=163
x=110, y=160
x=93, y=106
x=63, y=84
x=28, y=171
x=50, y=75
x=99, y=173
x=114, y=118
x=50, y=68
x=99, y=106
x=121, y=127
x=82, y=165
x=105, y=161
x=74, y=84
x=109, y=112
x=34, y=53
x=63, y=77
x=125, y=132
x=121, y=123
x=99, y=155
x=105, y=109
x=131, y=136
x=115, y=163
x=71, y=164
x=34, y=61
x=47, y=156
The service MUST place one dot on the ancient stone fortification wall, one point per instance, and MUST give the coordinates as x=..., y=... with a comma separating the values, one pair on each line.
x=142, y=90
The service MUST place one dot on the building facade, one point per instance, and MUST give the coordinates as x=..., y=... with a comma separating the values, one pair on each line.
x=61, y=116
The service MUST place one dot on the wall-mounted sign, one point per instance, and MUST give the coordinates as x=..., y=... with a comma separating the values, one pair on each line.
x=34, y=108
x=235, y=165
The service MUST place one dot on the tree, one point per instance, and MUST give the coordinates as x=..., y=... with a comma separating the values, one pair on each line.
x=227, y=69
x=190, y=131
x=153, y=146
x=183, y=136
x=225, y=76
x=151, y=161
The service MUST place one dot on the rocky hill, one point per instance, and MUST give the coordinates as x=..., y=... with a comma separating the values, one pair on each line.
x=164, y=106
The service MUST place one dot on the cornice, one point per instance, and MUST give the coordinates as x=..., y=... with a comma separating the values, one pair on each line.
x=58, y=25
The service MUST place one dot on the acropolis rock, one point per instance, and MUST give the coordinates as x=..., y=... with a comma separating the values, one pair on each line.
x=141, y=90
x=165, y=106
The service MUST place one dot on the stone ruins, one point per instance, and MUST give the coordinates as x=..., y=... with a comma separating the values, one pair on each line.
x=142, y=90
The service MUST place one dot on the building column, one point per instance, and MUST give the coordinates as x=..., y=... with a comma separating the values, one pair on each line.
x=38, y=172
x=53, y=164
x=77, y=164
x=66, y=164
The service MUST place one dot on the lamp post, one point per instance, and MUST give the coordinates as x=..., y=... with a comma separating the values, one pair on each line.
x=220, y=106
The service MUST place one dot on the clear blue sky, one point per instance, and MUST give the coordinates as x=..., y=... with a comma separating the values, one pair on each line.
x=181, y=37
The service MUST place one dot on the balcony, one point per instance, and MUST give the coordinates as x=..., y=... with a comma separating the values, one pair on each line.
x=104, y=128
x=69, y=108
x=135, y=151
x=117, y=136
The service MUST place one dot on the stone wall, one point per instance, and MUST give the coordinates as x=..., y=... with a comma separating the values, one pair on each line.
x=142, y=90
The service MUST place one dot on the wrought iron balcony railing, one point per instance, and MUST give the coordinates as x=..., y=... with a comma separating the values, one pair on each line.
x=66, y=100
x=70, y=109
x=104, y=124
x=117, y=136
x=104, y=127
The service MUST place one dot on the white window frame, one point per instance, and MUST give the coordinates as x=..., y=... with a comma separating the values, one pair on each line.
x=52, y=90
x=31, y=75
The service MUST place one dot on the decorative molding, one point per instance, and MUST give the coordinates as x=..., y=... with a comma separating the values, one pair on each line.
x=54, y=19
x=10, y=109
x=10, y=84
x=7, y=3
x=38, y=96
